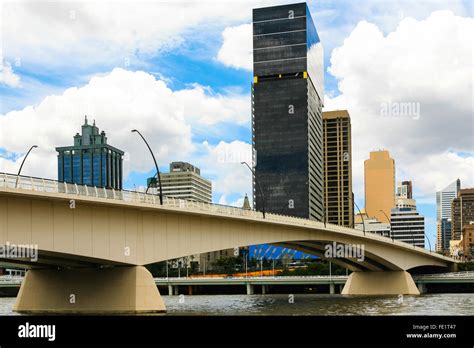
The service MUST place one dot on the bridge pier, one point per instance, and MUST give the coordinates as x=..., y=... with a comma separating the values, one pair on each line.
x=332, y=289
x=89, y=290
x=170, y=290
x=421, y=288
x=249, y=289
x=380, y=283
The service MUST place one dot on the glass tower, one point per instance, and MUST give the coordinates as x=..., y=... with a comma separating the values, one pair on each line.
x=91, y=161
x=287, y=101
x=444, y=199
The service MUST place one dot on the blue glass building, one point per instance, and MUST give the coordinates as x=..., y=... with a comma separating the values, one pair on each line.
x=91, y=161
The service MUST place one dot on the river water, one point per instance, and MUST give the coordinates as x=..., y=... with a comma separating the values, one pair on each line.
x=307, y=304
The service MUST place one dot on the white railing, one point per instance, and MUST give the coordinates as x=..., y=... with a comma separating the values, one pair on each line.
x=53, y=186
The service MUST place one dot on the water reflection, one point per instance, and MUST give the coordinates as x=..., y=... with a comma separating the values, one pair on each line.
x=308, y=304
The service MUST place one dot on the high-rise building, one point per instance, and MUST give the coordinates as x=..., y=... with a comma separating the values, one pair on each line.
x=287, y=101
x=379, y=177
x=462, y=211
x=337, y=158
x=444, y=199
x=443, y=235
x=408, y=226
x=184, y=181
x=91, y=161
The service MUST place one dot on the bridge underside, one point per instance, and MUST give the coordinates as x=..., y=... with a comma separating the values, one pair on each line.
x=369, y=261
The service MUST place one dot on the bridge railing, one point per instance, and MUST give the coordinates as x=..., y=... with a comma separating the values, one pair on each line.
x=54, y=186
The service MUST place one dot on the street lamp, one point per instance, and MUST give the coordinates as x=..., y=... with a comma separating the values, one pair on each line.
x=389, y=221
x=156, y=165
x=429, y=243
x=23, y=162
x=259, y=187
x=361, y=216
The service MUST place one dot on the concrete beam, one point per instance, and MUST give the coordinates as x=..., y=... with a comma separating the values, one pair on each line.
x=380, y=283
x=98, y=291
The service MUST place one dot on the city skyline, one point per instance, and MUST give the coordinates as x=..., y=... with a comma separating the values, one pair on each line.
x=216, y=131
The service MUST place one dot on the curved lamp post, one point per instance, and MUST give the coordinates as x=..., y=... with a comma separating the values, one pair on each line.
x=259, y=187
x=156, y=165
x=23, y=162
x=389, y=221
x=361, y=216
x=429, y=243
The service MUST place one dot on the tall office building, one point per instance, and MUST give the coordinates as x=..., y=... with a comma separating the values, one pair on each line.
x=408, y=226
x=462, y=211
x=91, y=161
x=444, y=199
x=379, y=177
x=287, y=100
x=443, y=235
x=184, y=181
x=337, y=154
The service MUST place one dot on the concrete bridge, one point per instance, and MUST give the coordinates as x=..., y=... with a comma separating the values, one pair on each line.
x=92, y=244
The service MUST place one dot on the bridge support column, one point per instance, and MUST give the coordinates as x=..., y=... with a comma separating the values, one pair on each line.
x=332, y=289
x=98, y=290
x=421, y=288
x=264, y=289
x=249, y=289
x=380, y=283
x=170, y=290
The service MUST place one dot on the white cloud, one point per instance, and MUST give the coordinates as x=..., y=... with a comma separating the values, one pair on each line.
x=222, y=163
x=236, y=49
x=92, y=33
x=427, y=62
x=120, y=101
x=7, y=76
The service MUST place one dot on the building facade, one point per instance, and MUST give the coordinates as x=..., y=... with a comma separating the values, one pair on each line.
x=91, y=161
x=405, y=189
x=287, y=101
x=404, y=195
x=468, y=241
x=443, y=235
x=184, y=181
x=373, y=226
x=408, y=226
x=444, y=199
x=337, y=158
x=462, y=211
x=379, y=178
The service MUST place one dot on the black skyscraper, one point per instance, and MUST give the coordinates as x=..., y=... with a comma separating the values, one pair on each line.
x=287, y=100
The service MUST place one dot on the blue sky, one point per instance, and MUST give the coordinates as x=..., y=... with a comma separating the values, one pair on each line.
x=192, y=55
